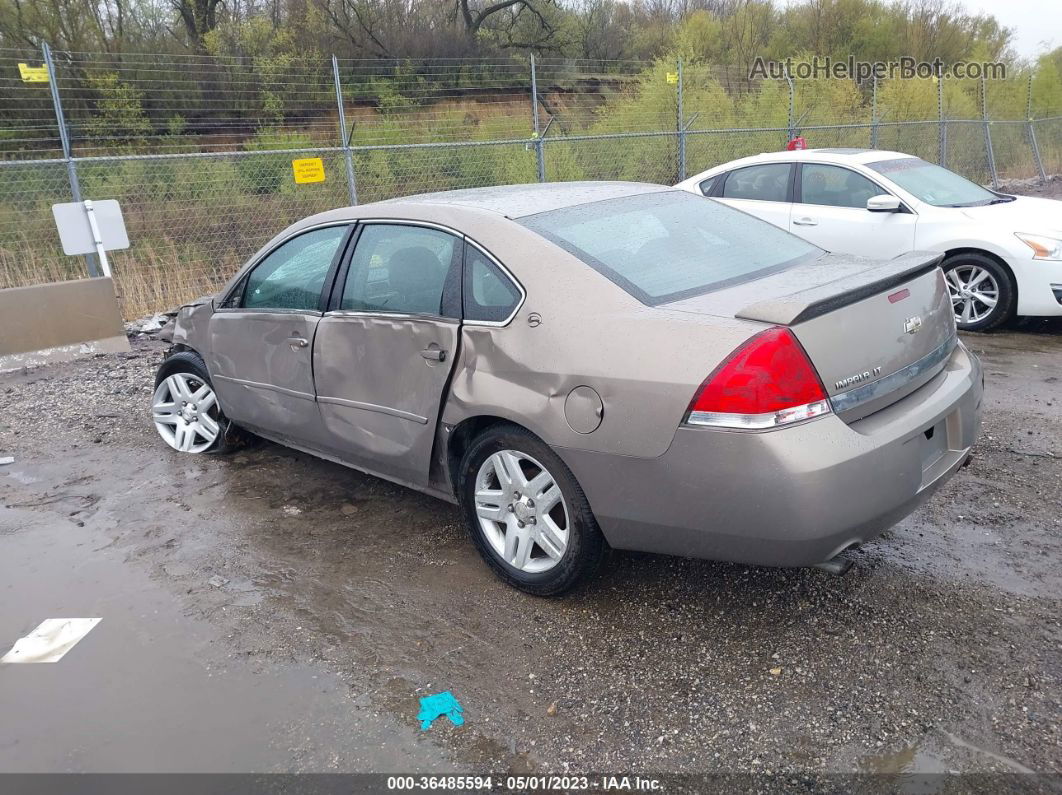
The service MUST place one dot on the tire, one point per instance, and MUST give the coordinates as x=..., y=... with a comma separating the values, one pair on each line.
x=191, y=367
x=566, y=545
x=991, y=279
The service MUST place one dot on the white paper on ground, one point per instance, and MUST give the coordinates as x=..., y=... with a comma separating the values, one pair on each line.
x=50, y=641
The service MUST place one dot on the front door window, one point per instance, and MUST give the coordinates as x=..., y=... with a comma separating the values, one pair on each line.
x=292, y=276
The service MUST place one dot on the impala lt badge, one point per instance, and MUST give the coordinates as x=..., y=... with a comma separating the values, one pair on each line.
x=912, y=325
x=858, y=378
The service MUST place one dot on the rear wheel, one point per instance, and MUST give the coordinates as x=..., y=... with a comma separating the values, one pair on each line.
x=528, y=517
x=185, y=408
x=982, y=291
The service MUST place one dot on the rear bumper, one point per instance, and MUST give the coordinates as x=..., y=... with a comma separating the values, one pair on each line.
x=790, y=497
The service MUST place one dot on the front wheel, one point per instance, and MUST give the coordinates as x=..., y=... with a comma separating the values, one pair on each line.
x=982, y=291
x=526, y=513
x=185, y=407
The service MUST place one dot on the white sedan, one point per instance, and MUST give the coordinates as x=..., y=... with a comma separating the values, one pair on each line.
x=1002, y=253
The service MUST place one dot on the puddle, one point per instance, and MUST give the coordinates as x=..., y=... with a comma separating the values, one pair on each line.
x=1006, y=761
x=909, y=759
x=20, y=476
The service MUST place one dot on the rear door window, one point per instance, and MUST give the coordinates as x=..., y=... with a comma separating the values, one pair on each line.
x=403, y=269
x=768, y=182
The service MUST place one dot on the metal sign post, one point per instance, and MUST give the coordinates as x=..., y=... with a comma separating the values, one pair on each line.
x=97, y=238
x=91, y=227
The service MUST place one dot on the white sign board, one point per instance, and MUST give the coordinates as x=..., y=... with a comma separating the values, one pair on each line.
x=75, y=227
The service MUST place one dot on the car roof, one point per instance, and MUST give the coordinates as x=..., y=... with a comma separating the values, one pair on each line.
x=835, y=155
x=840, y=154
x=517, y=201
x=470, y=209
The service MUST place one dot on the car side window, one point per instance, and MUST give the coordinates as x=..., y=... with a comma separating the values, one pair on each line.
x=835, y=186
x=404, y=269
x=488, y=293
x=768, y=182
x=707, y=185
x=292, y=276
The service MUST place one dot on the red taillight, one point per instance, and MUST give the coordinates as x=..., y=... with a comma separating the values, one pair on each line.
x=768, y=381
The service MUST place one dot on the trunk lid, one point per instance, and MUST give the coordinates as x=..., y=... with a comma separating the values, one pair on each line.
x=875, y=331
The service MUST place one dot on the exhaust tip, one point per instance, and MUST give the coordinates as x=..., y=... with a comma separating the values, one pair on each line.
x=837, y=566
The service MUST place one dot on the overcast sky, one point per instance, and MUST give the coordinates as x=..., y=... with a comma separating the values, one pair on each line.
x=1037, y=24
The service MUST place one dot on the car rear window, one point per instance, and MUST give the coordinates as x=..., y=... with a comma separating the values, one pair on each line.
x=670, y=245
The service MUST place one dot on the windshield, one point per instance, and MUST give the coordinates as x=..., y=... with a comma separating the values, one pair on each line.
x=933, y=184
x=665, y=246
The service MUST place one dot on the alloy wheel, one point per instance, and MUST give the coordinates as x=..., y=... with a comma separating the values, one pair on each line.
x=974, y=293
x=521, y=511
x=185, y=411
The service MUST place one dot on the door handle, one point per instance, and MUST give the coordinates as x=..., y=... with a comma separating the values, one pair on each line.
x=298, y=342
x=434, y=354
x=805, y=222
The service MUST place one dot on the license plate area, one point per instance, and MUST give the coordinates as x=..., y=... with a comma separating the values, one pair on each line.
x=934, y=444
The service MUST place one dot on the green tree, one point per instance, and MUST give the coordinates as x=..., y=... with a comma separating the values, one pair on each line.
x=119, y=112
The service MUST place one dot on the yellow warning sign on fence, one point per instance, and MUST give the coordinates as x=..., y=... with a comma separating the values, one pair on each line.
x=33, y=74
x=672, y=77
x=309, y=169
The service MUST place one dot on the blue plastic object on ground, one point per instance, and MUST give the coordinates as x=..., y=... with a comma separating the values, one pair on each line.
x=432, y=707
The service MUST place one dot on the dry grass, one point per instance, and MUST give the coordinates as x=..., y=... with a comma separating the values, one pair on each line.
x=23, y=264
x=157, y=278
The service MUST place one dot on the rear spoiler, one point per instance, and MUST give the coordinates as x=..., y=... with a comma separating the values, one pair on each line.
x=814, y=301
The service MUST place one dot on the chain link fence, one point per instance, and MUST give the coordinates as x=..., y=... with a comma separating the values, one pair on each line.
x=198, y=150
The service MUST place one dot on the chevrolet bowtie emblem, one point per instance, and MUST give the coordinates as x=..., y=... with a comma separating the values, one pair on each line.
x=912, y=325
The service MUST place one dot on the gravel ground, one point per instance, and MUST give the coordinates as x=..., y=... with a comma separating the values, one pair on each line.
x=1051, y=189
x=939, y=651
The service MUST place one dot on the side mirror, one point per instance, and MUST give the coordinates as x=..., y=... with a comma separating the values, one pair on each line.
x=883, y=204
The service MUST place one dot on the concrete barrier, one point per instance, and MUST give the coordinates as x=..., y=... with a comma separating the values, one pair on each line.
x=59, y=322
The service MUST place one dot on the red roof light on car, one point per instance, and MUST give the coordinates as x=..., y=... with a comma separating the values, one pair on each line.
x=767, y=382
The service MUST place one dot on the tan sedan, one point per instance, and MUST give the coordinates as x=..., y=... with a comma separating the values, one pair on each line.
x=590, y=364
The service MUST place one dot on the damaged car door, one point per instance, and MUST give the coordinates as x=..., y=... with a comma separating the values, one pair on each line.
x=262, y=332
x=384, y=350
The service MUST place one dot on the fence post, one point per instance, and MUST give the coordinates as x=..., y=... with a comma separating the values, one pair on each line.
x=1032, y=133
x=942, y=124
x=540, y=157
x=874, y=112
x=64, y=139
x=680, y=122
x=348, y=155
x=791, y=123
x=988, y=134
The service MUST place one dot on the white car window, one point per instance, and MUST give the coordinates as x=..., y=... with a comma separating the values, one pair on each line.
x=835, y=186
x=934, y=185
x=768, y=182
